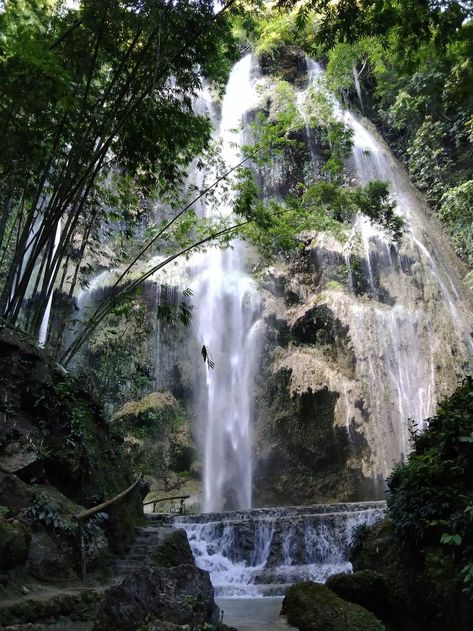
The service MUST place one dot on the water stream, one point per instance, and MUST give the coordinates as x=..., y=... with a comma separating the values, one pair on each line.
x=260, y=552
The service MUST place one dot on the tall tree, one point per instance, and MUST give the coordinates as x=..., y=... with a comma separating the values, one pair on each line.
x=102, y=90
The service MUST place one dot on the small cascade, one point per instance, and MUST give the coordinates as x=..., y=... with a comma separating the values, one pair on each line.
x=263, y=551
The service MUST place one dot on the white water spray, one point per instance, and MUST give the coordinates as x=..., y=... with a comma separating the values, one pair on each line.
x=263, y=551
x=412, y=293
x=43, y=330
x=227, y=318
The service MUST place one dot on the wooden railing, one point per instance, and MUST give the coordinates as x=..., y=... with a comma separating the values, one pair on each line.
x=182, y=499
x=82, y=517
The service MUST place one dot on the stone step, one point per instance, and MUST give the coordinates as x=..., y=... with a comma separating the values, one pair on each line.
x=143, y=549
x=147, y=542
x=153, y=532
x=165, y=520
x=136, y=557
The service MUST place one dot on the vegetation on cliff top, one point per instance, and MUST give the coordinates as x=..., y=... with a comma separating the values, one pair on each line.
x=99, y=128
x=409, y=66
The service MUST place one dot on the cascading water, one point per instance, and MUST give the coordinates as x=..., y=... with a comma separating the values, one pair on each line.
x=410, y=319
x=261, y=552
x=43, y=331
x=227, y=318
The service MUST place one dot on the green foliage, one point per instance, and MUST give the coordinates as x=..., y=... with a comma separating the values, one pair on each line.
x=363, y=55
x=456, y=211
x=414, y=64
x=324, y=206
x=430, y=500
x=44, y=511
x=427, y=158
x=96, y=117
x=276, y=30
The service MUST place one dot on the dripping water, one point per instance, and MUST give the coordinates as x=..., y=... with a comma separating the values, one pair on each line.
x=395, y=325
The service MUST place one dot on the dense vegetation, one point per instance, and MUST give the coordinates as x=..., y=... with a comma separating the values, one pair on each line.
x=430, y=500
x=98, y=130
x=427, y=538
x=97, y=123
x=409, y=67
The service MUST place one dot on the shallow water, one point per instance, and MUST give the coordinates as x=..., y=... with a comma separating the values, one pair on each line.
x=253, y=614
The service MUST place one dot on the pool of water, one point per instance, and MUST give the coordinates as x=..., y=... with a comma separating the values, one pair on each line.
x=253, y=614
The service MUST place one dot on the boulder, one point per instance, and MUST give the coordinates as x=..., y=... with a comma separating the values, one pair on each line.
x=14, y=493
x=376, y=548
x=314, y=607
x=181, y=595
x=366, y=588
x=14, y=543
x=175, y=550
x=46, y=561
x=36, y=612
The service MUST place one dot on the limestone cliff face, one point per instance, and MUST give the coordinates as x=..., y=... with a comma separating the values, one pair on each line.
x=363, y=334
x=308, y=446
x=343, y=369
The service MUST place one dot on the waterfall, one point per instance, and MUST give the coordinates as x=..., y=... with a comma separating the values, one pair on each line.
x=261, y=552
x=411, y=321
x=43, y=331
x=227, y=319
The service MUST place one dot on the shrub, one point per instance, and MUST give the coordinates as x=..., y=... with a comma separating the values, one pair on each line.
x=430, y=500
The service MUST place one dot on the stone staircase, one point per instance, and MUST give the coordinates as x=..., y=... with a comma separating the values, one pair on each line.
x=148, y=542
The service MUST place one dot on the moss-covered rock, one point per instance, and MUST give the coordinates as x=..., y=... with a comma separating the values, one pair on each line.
x=79, y=459
x=377, y=549
x=366, y=588
x=174, y=551
x=158, y=438
x=420, y=584
x=77, y=605
x=286, y=61
x=314, y=607
x=15, y=540
x=74, y=447
x=181, y=595
x=47, y=562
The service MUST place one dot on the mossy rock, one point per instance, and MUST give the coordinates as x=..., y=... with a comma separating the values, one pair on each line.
x=15, y=540
x=314, y=607
x=47, y=561
x=157, y=405
x=376, y=548
x=175, y=550
x=80, y=605
x=366, y=588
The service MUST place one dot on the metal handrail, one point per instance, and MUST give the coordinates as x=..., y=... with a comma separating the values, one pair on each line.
x=182, y=499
